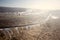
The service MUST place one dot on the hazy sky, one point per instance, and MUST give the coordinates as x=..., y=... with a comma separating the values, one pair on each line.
x=38, y=4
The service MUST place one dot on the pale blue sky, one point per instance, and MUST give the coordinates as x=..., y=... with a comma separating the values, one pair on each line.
x=38, y=4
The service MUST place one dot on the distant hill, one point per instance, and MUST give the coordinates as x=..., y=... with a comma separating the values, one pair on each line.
x=12, y=9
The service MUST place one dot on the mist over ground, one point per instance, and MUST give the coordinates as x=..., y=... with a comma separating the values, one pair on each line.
x=45, y=24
